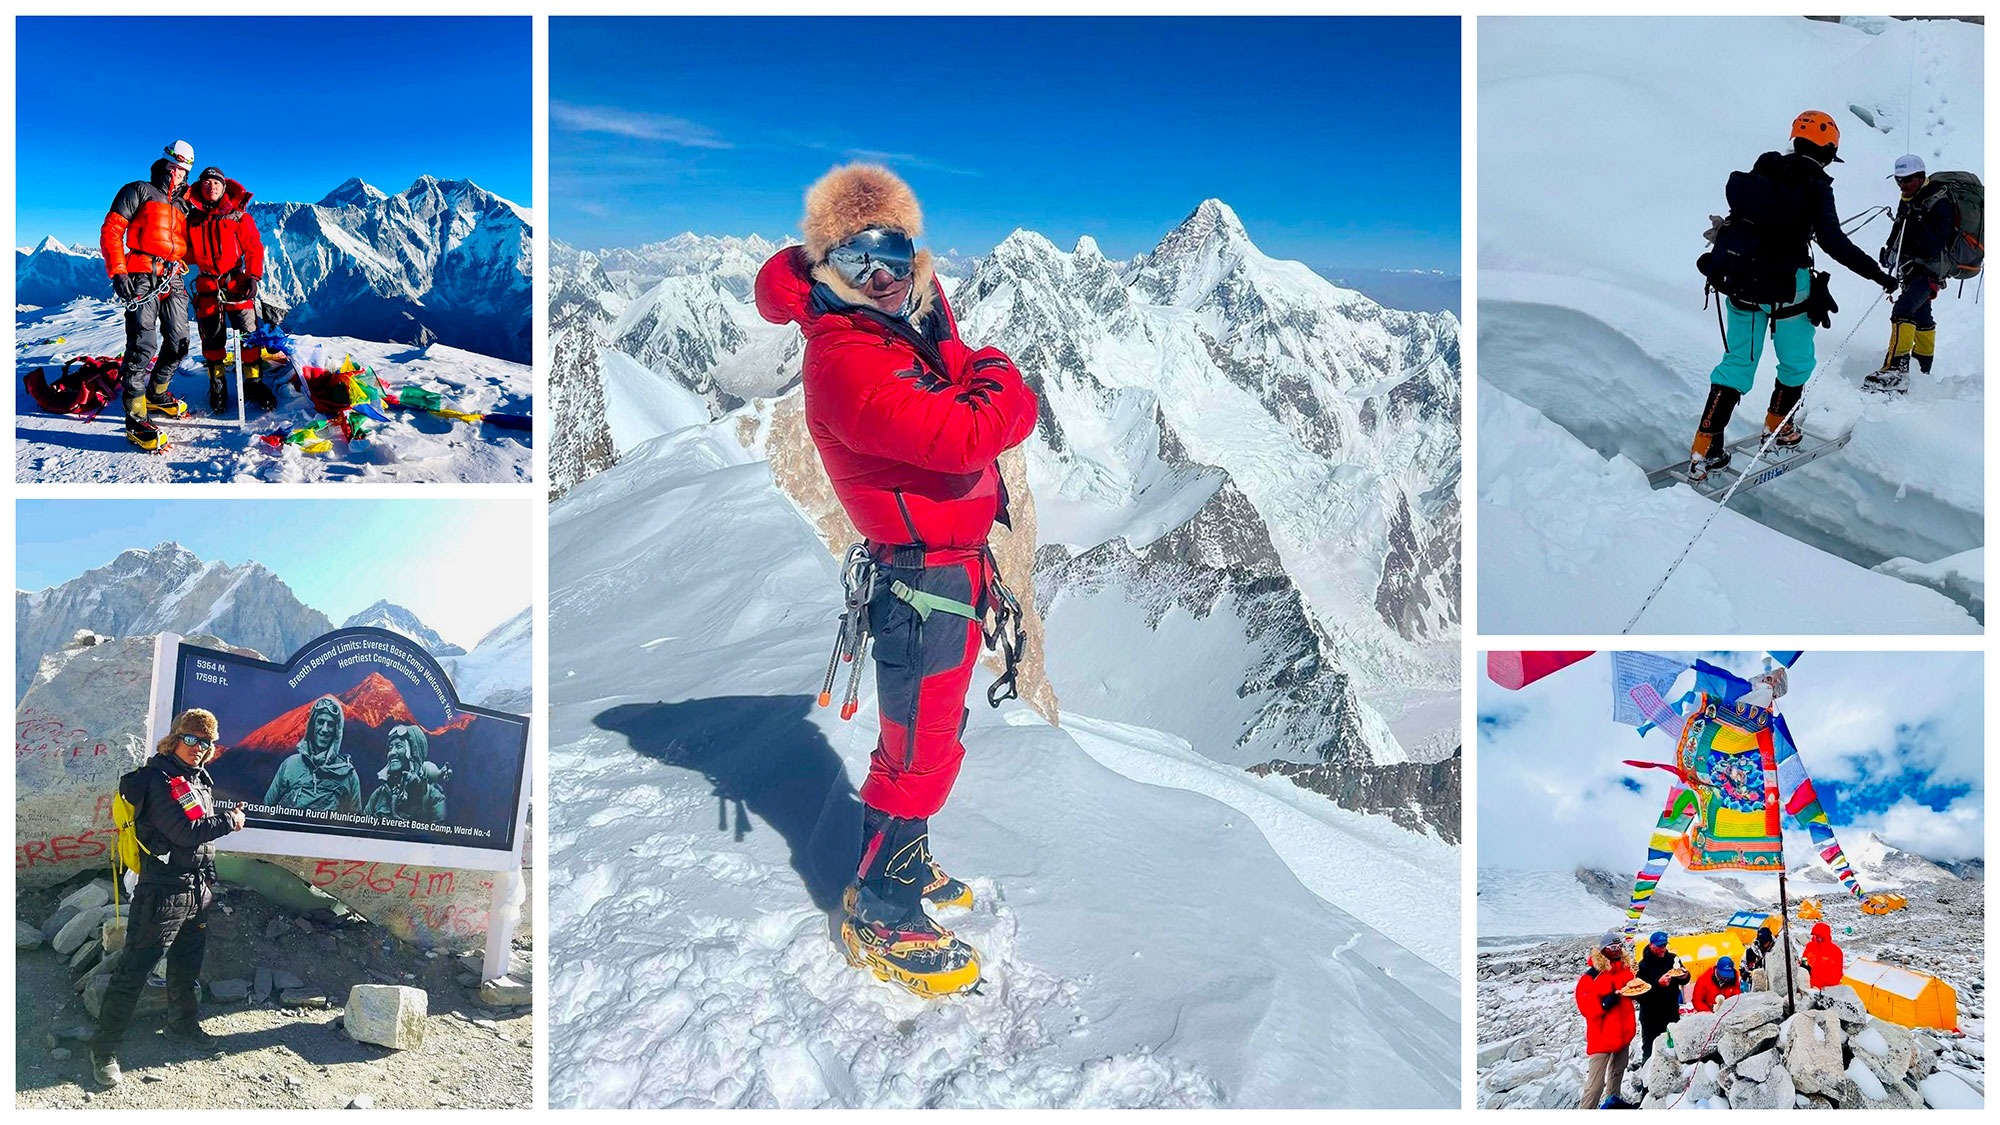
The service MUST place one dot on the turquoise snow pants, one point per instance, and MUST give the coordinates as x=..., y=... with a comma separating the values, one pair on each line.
x=1791, y=335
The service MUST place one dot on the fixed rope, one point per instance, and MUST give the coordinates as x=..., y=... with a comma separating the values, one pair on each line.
x=1763, y=450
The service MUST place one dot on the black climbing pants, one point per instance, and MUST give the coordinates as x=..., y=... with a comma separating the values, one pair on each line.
x=156, y=340
x=165, y=917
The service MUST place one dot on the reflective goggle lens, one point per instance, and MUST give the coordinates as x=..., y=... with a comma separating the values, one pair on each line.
x=859, y=257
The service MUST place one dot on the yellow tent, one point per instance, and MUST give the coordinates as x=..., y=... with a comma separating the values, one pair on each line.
x=1903, y=996
x=1699, y=952
x=1883, y=902
x=1809, y=909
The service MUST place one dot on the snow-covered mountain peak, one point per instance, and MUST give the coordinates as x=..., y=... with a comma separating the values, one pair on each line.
x=385, y=614
x=354, y=192
x=50, y=245
x=1086, y=247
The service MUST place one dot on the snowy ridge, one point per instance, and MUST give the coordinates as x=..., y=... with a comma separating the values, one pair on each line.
x=385, y=614
x=707, y=825
x=499, y=671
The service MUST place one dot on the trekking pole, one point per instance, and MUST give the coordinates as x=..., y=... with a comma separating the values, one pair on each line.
x=1763, y=449
x=833, y=661
x=240, y=415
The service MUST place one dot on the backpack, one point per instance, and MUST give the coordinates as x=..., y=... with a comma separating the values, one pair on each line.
x=125, y=817
x=86, y=386
x=1754, y=257
x=1965, y=248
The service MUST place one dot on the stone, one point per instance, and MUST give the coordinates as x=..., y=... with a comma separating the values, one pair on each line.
x=506, y=993
x=361, y=1101
x=1812, y=1052
x=275, y=929
x=26, y=936
x=301, y=998
x=391, y=1015
x=1664, y=1077
x=1490, y=1054
x=1704, y=1081
x=1511, y=1074
x=1694, y=1036
x=232, y=991
x=1758, y=1066
x=84, y=953
x=78, y=930
x=61, y=1053
x=88, y=896
x=57, y=921
x=1842, y=1000
x=261, y=990
x=1946, y=1091
x=285, y=980
x=1737, y=1043
x=111, y=935
x=1774, y=1091
x=1888, y=1051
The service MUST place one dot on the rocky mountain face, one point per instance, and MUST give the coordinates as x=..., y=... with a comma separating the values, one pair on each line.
x=1224, y=438
x=166, y=589
x=388, y=615
x=581, y=445
x=443, y=261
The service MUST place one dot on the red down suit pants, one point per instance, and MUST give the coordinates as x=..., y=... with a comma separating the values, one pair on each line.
x=923, y=669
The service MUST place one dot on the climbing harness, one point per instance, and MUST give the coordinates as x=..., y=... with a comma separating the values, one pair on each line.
x=861, y=576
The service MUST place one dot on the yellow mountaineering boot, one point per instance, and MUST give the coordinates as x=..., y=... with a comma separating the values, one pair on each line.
x=140, y=432
x=160, y=400
x=913, y=953
x=943, y=891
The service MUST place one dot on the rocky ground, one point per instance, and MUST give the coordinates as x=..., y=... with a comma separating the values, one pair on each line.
x=283, y=1045
x=1751, y=1055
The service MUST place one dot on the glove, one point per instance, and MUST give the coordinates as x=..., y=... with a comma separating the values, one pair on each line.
x=1883, y=257
x=1610, y=1002
x=1890, y=285
x=125, y=285
x=250, y=288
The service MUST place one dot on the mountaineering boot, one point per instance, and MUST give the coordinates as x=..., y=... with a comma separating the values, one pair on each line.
x=140, y=432
x=104, y=1068
x=1894, y=377
x=218, y=389
x=256, y=391
x=913, y=952
x=160, y=400
x=943, y=891
x=190, y=1030
x=1926, y=347
x=1777, y=419
x=1710, y=451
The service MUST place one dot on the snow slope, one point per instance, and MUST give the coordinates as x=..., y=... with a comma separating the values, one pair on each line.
x=413, y=447
x=1591, y=319
x=1145, y=941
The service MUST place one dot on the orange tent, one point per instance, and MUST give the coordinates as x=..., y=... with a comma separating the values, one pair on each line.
x=1902, y=995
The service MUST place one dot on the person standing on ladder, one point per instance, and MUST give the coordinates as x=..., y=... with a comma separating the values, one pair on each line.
x=1784, y=204
x=908, y=421
x=229, y=255
x=1917, y=240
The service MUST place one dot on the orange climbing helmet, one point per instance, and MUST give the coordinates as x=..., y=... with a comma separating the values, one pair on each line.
x=1817, y=128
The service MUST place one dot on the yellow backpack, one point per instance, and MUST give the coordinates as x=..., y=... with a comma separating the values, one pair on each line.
x=125, y=817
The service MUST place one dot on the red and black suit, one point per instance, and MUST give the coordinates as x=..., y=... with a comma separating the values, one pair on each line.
x=145, y=239
x=908, y=422
x=228, y=254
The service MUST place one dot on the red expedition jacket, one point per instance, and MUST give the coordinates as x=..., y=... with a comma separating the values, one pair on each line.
x=1708, y=990
x=1826, y=965
x=1603, y=1030
x=144, y=225
x=223, y=237
x=908, y=420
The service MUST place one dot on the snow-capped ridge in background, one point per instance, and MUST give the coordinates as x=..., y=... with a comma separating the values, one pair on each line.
x=385, y=614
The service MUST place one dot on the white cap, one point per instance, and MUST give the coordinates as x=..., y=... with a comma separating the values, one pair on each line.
x=181, y=153
x=1908, y=164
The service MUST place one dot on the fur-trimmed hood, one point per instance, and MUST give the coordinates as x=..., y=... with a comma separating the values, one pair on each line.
x=853, y=198
x=787, y=282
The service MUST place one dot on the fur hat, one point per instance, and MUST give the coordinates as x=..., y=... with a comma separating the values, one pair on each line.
x=850, y=199
x=194, y=721
x=853, y=198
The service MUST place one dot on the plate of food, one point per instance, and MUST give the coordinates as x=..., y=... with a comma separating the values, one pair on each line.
x=1634, y=987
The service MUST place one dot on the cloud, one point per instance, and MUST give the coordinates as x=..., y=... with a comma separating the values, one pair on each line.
x=633, y=125
x=906, y=159
x=1958, y=832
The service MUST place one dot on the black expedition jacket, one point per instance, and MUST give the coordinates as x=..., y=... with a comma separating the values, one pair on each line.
x=175, y=829
x=1821, y=216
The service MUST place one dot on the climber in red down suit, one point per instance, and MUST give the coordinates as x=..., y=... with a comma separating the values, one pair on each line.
x=909, y=422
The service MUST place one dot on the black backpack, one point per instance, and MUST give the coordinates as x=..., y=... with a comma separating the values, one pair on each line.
x=1965, y=247
x=1754, y=260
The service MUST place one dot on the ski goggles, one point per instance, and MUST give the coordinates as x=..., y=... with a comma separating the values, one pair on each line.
x=197, y=740
x=859, y=257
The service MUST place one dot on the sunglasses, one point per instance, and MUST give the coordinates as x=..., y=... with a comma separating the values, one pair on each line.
x=197, y=740
x=859, y=257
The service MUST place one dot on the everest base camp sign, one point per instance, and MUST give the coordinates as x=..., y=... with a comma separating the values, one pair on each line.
x=357, y=748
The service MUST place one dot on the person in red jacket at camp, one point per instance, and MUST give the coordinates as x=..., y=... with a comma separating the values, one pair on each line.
x=145, y=242
x=908, y=421
x=1824, y=963
x=228, y=254
x=1609, y=1023
x=1721, y=980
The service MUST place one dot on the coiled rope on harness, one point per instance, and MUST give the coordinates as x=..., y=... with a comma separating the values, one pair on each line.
x=1763, y=450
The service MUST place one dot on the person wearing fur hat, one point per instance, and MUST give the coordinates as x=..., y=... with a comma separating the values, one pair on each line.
x=909, y=422
x=228, y=255
x=1609, y=1023
x=176, y=820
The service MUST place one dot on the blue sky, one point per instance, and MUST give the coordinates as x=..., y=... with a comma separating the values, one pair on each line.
x=1335, y=139
x=290, y=106
x=1893, y=741
x=459, y=565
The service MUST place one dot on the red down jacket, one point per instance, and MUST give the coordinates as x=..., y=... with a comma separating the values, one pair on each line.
x=222, y=236
x=908, y=421
x=1605, y=1029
